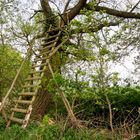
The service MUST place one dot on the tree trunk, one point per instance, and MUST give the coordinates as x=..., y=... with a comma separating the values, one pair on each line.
x=44, y=97
x=41, y=104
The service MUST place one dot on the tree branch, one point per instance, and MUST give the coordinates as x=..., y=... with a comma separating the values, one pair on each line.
x=36, y=11
x=113, y=12
x=95, y=28
x=66, y=6
x=75, y=10
x=135, y=6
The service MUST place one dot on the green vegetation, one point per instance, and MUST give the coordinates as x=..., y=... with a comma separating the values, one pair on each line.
x=90, y=107
x=10, y=61
x=51, y=132
x=106, y=105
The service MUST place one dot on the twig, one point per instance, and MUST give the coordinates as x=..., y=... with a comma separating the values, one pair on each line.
x=135, y=6
x=55, y=5
x=67, y=4
x=36, y=11
x=110, y=113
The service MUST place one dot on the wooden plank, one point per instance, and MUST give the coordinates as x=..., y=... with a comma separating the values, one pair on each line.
x=38, y=65
x=39, y=59
x=40, y=71
x=14, y=119
x=19, y=110
x=46, y=52
x=30, y=86
x=27, y=117
x=56, y=29
x=23, y=101
x=51, y=37
x=43, y=48
x=34, y=78
x=50, y=42
x=27, y=94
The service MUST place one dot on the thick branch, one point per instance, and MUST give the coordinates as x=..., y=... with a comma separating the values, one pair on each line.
x=75, y=10
x=67, y=16
x=113, y=12
x=46, y=7
x=94, y=28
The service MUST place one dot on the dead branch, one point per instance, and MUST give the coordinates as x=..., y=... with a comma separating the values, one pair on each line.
x=36, y=12
x=75, y=123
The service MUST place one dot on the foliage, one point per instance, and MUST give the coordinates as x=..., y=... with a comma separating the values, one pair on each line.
x=89, y=102
x=10, y=61
x=2, y=124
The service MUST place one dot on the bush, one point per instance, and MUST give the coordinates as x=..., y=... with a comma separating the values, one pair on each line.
x=2, y=123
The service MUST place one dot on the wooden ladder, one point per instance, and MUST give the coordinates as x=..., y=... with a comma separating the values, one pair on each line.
x=22, y=109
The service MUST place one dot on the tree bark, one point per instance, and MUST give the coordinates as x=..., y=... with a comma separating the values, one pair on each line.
x=113, y=12
x=44, y=97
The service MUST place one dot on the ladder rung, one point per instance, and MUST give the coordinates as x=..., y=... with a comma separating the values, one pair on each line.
x=16, y=120
x=38, y=59
x=30, y=86
x=43, y=48
x=34, y=78
x=23, y=101
x=37, y=71
x=27, y=94
x=19, y=110
x=56, y=29
x=50, y=42
x=50, y=37
x=39, y=65
x=46, y=52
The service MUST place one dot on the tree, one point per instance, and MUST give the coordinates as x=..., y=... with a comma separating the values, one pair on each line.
x=101, y=16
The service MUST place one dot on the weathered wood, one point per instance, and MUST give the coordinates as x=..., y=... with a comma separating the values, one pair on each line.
x=30, y=86
x=39, y=71
x=14, y=119
x=51, y=37
x=40, y=59
x=56, y=29
x=34, y=78
x=44, y=48
x=19, y=110
x=27, y=94
x=47, y=52
x=27, y=117
x=38, y=65
x=23, y=101
x=50, y=42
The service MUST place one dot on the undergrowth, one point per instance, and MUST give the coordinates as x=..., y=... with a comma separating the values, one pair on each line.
x=49, y=132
